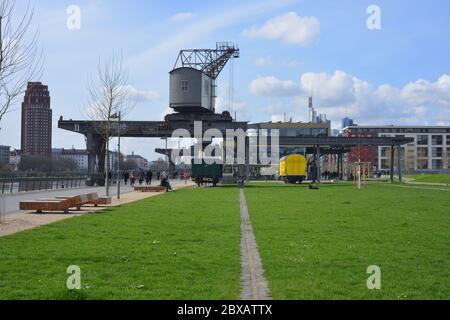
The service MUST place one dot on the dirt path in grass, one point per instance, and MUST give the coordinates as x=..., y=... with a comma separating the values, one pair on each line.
x=254, y=284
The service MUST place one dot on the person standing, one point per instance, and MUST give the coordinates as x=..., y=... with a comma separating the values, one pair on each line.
x=132, y=179
x=125, y=176
x=141, y=177
x=149, y=177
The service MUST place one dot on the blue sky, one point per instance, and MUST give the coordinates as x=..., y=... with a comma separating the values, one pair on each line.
x=397, y=75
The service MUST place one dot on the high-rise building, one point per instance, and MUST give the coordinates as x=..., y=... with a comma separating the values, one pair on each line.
x=36, y=121
x=347, y=122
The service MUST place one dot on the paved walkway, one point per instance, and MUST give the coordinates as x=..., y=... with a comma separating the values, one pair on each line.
x=254, y=284
x=11, y=201
x=22, y=220
x=416, y=187
x=429, y=184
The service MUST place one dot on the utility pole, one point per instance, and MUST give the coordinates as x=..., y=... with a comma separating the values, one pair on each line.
x=118, y=161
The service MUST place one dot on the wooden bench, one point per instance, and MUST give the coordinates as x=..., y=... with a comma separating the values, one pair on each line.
x=94, y=199
x=64, y=205
x=102, y=201
x=150, y=188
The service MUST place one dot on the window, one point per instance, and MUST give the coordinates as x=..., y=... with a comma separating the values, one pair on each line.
x=437, y=140
x=448, y=140
x=184, y=85
x=437, y=164
x=422, y=152
x=437, y=152
x=422, y=140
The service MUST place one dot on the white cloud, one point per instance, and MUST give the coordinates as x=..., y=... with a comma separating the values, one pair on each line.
x=223, y=100
x=277, y=118
x=334, y=89
x=272, y=86
x=141, y=95
x=289, y=28
x=337, y=94
x=181, y=16
x=200, y=29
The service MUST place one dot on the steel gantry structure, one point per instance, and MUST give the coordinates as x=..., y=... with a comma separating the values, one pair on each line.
x=317, y=146
x=210, y=62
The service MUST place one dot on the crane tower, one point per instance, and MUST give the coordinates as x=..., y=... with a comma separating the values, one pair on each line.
x=193, y=78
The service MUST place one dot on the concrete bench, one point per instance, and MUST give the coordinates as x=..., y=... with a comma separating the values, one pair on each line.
x=149, y=188
x=45, y=205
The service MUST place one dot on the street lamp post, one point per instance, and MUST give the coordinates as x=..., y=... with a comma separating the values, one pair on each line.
x=119, y=119
x=118, y=162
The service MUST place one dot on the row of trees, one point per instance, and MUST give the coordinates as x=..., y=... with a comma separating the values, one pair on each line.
x=46, y=165
x=43, y=164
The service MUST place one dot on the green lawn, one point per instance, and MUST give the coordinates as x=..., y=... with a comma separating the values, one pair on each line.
x=182, y=245
x=432, y=178
x=318, y=244
x=185, y=245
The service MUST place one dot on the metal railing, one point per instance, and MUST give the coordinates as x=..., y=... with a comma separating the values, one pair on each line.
x=26, y=182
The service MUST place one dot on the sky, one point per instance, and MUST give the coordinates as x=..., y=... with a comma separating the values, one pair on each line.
x=396, y=73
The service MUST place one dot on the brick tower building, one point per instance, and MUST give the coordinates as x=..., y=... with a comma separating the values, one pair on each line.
x=36, y=121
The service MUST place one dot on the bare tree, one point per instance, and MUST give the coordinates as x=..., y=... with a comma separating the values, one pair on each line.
x=109, y=98
x=20, y=59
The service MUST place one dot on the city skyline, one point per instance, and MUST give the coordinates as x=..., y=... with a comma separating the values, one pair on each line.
x=278, y=69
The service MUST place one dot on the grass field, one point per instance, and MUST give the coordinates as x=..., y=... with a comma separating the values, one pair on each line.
x=318, y=244
x=432, y=178
x=182, y=245
x=185, y=245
